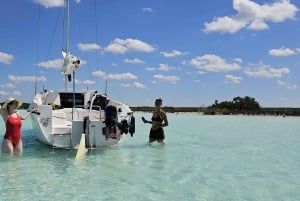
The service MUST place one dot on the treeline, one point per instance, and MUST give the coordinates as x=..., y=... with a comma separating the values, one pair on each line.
x=169, y=109
x=24, y=106
x=238, y=105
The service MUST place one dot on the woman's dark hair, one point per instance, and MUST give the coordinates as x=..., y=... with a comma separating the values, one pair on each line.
x=12, y=102
x=158, y=100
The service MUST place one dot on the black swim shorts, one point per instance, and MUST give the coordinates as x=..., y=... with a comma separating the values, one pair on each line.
x=157, y=134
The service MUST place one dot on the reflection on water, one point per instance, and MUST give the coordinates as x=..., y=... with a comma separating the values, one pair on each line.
x=11, y=177
x=156, y=157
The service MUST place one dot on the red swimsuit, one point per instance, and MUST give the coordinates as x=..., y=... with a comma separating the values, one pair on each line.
x=13, y=129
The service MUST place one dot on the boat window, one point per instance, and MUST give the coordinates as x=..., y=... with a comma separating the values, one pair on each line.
x=66, y=100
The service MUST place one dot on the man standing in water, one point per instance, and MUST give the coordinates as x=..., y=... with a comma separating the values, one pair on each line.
x=158, y=121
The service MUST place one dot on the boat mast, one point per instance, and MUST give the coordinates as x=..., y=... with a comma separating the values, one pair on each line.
x=105, y=91
x=67, y=27
x=67, y=21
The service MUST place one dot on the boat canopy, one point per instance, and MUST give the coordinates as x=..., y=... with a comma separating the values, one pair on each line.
x=65, y=99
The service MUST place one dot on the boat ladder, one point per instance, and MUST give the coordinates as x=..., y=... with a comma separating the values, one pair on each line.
x=58, y=137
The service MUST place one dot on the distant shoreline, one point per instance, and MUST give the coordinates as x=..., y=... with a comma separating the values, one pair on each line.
x=273, y=111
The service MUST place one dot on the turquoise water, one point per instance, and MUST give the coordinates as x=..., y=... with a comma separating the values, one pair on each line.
x=211, y=158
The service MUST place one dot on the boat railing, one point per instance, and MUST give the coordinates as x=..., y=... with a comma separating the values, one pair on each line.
x=92, y=106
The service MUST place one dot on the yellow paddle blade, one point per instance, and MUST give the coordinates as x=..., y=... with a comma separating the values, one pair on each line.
x=82, y=150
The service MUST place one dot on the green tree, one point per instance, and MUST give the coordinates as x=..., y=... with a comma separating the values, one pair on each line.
x=238, y=104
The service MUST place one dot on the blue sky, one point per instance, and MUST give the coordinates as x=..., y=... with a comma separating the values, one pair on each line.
x=189, y=53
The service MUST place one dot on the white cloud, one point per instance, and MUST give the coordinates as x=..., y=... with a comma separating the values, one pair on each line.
x=11, y=93
x=88, y=82
x=238, y=60
x=26, y=78
x=282, y=52
x=8, y=86
x=16, y=93
x=122, y=76
x=294, y=86
x=134, y=85
x=99, y=73
x=3, y=93
x=149, y=10
x=88, y=46
x=200, y=72
x=173, y=53
x=223, y=25
x=51, y=3
x=173, y=79
x=134, y=61
x=57, y=63
x=214, y=63
x=265, y=71
x=287, y=85
x=114, y=64
x=78, y=81
x=253, y=16
x=162, y=67
x=258, y=24
x=281, y=83
x=139, y=85
x=165, y=67
x=150, y=68
x=6, y=58
x=233, y=79
x=120, y=46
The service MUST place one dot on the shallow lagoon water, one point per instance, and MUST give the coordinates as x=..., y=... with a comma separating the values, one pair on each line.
x=209, y=158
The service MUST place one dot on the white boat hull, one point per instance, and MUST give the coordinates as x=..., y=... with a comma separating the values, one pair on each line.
x=62, y=128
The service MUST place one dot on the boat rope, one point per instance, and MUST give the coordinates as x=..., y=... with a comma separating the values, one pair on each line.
x=74, y=101
x=37, y=48
x=96, y=27
x=54, y=32
x=97, y=52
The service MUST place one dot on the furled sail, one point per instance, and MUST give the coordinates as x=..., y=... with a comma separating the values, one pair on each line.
x=71, y=63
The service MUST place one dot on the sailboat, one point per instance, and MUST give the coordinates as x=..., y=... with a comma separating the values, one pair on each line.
x=65, y=119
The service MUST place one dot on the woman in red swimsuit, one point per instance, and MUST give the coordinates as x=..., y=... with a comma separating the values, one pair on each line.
x=12, y=142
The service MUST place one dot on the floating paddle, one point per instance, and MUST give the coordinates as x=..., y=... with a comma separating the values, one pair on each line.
x=82, y=150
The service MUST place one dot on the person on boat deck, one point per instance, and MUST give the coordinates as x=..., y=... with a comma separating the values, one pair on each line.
x=158, y=121
x=12, y=142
